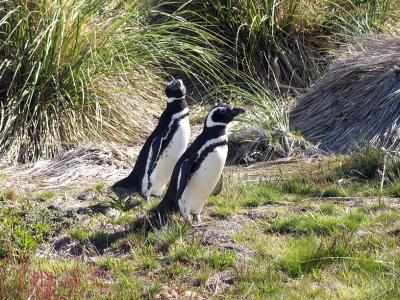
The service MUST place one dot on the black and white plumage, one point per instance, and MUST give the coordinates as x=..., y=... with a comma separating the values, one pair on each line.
x=198, y=170
x=162, y=149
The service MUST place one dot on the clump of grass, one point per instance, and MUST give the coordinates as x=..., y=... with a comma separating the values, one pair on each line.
x=100, y=186
x=280, y=42
x=65, y=63
x=316, y=224
x=8, y=195
x=307, y=254
x=262, y=194
x=299, y=186
x=166, y=237
x=21, y=230
x=146, y=258
x=48, y=52
x=223, y=211
x=334, y=191
x=220, y=260
x=252, y=202
x=394, y=189
x=222, y=206
x=327, y=209
x=365, y=164
x=188, y=253
x=124, y=218
x=46, y=195
x=121, y=203
x=80, y=234
x=269, y=193
x=194, y=254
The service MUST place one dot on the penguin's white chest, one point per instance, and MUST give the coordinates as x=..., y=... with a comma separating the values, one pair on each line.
x=165, y=165
x=203, y=181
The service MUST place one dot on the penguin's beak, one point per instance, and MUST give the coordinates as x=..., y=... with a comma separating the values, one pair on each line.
x=237, y=111
x=175, y=84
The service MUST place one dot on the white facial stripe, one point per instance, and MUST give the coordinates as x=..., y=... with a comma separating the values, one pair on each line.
x=210, y=122
x=222, y=138
x=170, y=100
x=182, y=87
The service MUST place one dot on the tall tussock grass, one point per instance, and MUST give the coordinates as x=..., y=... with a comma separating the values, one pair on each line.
x=73, y=71
x=283, y=44
x=51, y=52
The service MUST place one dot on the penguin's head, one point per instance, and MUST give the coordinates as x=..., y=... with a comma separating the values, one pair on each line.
x=175, y=90
x=221, y=115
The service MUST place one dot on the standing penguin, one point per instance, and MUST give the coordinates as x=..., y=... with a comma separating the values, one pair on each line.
x=162, y=149
x=198, y=170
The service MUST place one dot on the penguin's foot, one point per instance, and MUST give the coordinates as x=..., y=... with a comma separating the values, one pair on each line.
x=196, y=218
x=120, y=189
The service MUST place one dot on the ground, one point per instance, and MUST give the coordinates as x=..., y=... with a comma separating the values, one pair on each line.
x=284, y=230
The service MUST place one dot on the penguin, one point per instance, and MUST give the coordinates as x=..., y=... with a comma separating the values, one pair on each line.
x=199, y=169
x=162, y=149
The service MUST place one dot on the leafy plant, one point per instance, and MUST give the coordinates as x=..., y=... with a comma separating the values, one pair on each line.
x=20, y=232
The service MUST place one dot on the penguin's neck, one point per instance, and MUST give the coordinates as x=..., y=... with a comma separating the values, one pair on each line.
x=215, y=131
x=176, y=105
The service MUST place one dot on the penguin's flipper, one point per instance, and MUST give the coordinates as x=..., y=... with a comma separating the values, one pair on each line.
x=183, y=178
x=155, y=153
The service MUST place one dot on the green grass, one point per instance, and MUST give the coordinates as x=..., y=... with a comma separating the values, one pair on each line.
x=297, y=251
x=100, y=186
x=308, y=254
x=194, y=255
x=166, y=237
x=327, y=209
x=46, y=195
x=316, y=224
x=80, y=234
x=146, y=259
x=22, y=229
x=221, y=260
x=283, y=42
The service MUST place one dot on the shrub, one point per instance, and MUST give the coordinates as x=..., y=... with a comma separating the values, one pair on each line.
x=283, y=42
x=70, y=70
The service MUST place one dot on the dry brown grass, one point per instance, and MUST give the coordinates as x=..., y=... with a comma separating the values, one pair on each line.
x=135, y=100
x=356, y=101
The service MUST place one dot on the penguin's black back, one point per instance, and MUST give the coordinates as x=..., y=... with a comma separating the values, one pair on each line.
x=132, y=183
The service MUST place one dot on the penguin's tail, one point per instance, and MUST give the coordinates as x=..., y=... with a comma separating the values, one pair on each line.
x=125, y=186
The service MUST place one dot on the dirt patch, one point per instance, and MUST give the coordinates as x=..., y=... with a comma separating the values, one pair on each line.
x=220, y=233
x=89, y=164
x=278, y=169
